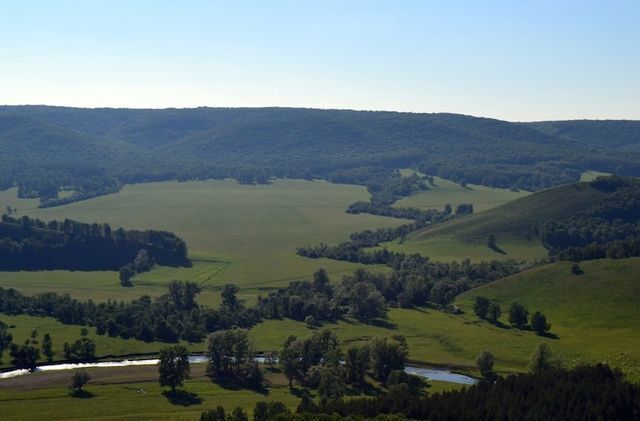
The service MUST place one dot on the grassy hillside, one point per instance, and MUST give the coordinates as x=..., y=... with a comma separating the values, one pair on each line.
x=595, y=315
x=445, y=191
x=513, y=224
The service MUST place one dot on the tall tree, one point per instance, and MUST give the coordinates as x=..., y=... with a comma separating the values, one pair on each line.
x=539, y=323
x=542, y=359
x=481, y=307
x=494, y=313
x=387, y=355
x=47, y=347
x=174, y=366
x=5, y=338
x=485, y=364
x=518, y=315
x=78, y=380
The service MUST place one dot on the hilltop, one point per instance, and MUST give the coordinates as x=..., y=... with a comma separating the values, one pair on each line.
x=95, y=151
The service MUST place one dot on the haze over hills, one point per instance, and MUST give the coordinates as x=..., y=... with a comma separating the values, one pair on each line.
x=95, y=151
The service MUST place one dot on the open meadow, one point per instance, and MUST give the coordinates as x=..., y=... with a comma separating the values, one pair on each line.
x=241, y=234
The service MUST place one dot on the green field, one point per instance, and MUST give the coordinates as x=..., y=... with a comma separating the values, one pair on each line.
x=130, y=393
x=242, y=234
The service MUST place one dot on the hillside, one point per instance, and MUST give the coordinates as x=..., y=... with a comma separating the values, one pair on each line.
x=595, y=315
x=94, y=151
x=515, y=225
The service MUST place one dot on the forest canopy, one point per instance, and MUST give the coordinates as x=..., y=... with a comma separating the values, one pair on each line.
x=95, y=151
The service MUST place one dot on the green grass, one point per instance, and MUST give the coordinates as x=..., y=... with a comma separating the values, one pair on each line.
x=512, y=223
x=446, y=191
x=130, y=393
x=253, y=231
x=22, y=326
x=595, y=317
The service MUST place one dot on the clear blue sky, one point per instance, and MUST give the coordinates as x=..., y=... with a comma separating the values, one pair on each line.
x=515, y=59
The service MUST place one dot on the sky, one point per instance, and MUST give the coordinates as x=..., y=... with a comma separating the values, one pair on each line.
x=518, y=60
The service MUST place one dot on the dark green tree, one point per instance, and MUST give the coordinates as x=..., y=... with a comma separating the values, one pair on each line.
x=47, y=347
x=229, y=299
x=238, y=414
x=481, y=307
x=356, y=363
x=78, y=380
x=126, y=272
x=174, y=366
x=485, y=362
x=539, y=323
x=387, y=355
x=24, y=356
x=494, y=312
x=542, y=359
x=217, y=414
x=5, y=338
x=518, y=316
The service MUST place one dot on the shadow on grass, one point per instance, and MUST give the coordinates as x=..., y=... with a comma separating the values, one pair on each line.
x=383, y=324
x=182, y=398
x=498, y=250
x=231, y=383
x=82, y=394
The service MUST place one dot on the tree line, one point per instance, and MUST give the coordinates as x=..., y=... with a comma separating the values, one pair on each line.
x=518, y=315
x=609, y=228
x=168, y=318
x=31, y=244
x=366, y=295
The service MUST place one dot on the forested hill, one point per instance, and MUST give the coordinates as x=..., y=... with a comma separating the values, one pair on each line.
x=95, y=151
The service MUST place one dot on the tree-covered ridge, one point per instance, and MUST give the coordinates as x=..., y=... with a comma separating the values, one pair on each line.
x=94, y=151
x=32, y=244
x=608, y=228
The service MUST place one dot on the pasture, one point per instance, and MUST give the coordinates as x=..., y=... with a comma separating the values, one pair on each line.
x=242, y=234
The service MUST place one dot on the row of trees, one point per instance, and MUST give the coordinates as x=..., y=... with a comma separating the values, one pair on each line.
x=27, y=354
x=365, y=295
x=32, y=244
x=168, y=318
x=318, y=363
x=547, y=391
x=518, y=315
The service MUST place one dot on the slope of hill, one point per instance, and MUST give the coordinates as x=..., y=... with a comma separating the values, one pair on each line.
x=50, y=144
x=515, y=225
x=595, y=315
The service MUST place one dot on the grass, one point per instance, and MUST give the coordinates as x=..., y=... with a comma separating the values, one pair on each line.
x=130, y=393
x=447, y=192
x=513, y=224
x=594, y=316
x=22, y=326
x=240, y=234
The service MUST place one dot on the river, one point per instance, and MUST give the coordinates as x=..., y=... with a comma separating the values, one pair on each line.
x=439, y=374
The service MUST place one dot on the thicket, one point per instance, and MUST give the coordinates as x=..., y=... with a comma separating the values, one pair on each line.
x=168, y=318
x=32, y=244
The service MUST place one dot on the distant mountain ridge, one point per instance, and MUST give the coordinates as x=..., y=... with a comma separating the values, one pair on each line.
x=93, y=150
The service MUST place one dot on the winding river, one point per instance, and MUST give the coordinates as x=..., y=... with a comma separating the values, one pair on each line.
x=438, y=374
